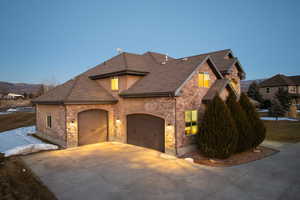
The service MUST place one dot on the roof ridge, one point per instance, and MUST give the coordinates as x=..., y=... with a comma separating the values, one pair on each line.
x=75, y=81
x=202, y=54
x=150, y=53
x=125, y=61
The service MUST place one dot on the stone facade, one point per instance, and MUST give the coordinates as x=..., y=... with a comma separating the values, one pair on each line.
x=57, y=132
x=234, y=76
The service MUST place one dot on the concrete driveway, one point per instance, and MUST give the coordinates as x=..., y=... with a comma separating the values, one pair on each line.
x=121, y=171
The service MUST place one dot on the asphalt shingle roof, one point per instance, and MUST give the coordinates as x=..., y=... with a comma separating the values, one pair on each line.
x=160, y=77
x=280, y=80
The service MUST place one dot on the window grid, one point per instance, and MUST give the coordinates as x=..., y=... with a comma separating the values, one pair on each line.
x=204, y=79
x=191, y=122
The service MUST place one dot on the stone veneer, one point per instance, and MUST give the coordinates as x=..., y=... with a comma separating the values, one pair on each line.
x=57, y=133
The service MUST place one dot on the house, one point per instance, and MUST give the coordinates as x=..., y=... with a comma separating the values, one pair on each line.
x=13, y=96
x=150, y=100
x=269, y=87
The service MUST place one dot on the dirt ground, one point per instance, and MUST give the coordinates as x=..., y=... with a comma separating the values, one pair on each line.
x=16, y=120
x=17, y=182
x=235, y=159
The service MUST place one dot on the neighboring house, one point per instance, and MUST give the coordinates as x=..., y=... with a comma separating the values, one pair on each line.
x=13, y=96
x=269, y=87
x=150, y=100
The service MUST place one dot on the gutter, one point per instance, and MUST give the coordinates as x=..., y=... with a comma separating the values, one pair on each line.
x=150, y=94
x=118, y=73
x=73, y=102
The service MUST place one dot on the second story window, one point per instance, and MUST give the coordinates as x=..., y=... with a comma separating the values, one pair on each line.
x=267, y=90
x=234, y=84
x=203, y=79
x=49, y=121
x=115, y=83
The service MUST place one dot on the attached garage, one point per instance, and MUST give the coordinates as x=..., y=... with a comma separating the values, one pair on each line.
x=92, y=126
x=146, y=131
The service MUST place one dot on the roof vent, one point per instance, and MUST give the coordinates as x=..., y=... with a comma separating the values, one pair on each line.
x=119, y=50
x=166, y=57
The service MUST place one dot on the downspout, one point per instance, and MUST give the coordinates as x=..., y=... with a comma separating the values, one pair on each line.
x=66, y=126
x=175, y=126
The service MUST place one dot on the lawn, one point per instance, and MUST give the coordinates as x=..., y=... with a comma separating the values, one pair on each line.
x=16, y=120
x=283, y=131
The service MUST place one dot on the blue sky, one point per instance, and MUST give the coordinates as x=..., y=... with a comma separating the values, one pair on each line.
x=54, y=40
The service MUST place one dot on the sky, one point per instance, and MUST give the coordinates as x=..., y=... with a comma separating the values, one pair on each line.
x=51, y=41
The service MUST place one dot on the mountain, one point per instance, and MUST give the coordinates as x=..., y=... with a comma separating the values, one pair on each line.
x=19, y=88
x=245, y=84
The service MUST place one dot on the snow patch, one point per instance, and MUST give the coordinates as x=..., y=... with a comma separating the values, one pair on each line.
x=18, y=141
x=11, y=110
x=30, y=148
x=279, y=118
x=263, y=110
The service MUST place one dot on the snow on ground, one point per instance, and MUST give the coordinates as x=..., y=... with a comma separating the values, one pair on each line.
x=263, y=110
x=4, y=113
x=279, y=118
x=17, y=141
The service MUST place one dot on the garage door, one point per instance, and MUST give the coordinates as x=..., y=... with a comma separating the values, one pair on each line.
x=92, y=127
x=146, y=131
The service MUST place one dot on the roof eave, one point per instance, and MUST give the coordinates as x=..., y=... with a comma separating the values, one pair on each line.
x=151, y=94
x=48, y=102
x=119, y=73
x=74, y=102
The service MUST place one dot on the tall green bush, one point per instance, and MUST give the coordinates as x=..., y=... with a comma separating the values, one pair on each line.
x=245, y=136
x=276, y=110
x=257, y=128
x=217, y=137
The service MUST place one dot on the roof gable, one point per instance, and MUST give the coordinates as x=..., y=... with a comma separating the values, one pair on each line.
x=169, y=78
x=277, y=80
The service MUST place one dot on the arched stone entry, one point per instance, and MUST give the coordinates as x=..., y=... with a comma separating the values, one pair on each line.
x=146, y=131
x=92, y=126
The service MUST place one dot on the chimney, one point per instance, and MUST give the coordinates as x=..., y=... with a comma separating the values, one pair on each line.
x=119, y=50
x=166, y=57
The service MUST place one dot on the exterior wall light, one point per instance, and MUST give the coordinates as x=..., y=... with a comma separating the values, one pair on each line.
x=118, y=121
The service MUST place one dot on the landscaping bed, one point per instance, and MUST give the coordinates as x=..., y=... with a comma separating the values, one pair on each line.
x=16, y=120
x=17, y=182
x=235, y=159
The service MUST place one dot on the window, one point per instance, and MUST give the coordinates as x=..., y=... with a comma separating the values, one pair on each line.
x=191, y=122
x=115, y=83
x=267, y=90
x=49, y=121
x=233, y=84
x=204, y=80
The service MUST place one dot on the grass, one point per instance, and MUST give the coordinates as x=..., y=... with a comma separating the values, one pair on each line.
x=283, y=131
x=16, y=120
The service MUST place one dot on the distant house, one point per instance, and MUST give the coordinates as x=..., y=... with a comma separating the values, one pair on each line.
x=150, y=100
x=13, y=96
x=269, y=87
